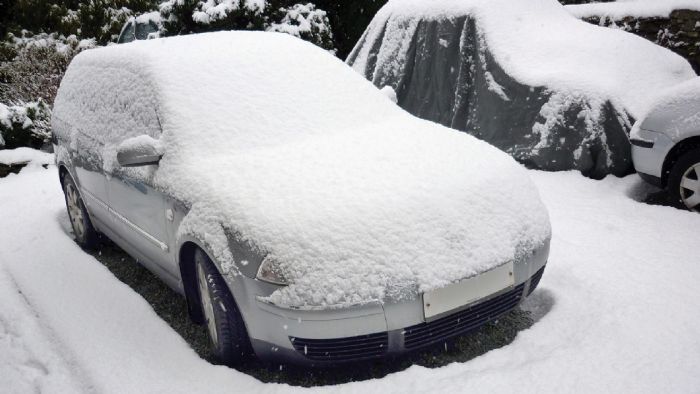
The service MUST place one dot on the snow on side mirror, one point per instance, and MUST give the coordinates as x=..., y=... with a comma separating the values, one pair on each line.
x=139, y=151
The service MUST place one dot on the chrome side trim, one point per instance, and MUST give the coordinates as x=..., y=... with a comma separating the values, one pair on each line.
x=126, y=221
x=94, y=198
x=139, y=230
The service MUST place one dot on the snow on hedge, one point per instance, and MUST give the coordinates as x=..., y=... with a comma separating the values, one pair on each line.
x=635, y=8
x=25, y=155
x=354, y=198
x=214, y=10
x=25, y=124
x=66, y=45
x=300, y=19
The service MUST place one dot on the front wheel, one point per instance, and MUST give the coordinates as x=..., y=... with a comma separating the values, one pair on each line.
x=85, y=234
x=229, y=339
x=684, y=181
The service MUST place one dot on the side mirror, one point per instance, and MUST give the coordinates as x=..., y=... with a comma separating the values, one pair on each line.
x=139, y=151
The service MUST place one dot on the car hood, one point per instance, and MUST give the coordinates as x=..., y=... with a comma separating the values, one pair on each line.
x=381, y=212
x=674, y=112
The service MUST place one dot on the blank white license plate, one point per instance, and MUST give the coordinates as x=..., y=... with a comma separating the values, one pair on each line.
x=468, y=290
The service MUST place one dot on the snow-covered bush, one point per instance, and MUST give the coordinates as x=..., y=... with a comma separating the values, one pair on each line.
x=306, y=22
x=25, y=124
x=31, y=66
x=247, y=14
x=102, y=19
x=188, y=16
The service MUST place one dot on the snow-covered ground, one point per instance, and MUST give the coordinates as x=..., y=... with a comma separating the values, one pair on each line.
x=617, y=307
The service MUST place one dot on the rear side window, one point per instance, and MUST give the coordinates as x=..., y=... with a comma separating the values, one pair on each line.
x=108, y=105
x=127, y=34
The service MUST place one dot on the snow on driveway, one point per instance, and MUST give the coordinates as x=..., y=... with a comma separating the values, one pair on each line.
x=618, y=307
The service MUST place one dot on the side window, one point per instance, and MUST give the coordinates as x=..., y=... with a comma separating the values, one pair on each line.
x=102, y=106
x=127, y=34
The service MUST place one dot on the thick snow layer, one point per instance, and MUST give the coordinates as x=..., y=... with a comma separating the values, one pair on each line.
x=354, y=198
x=25, y=155
x=539, y=43
x=30, y=361
x=617, y=307
x=635, y=8
x=675, y=112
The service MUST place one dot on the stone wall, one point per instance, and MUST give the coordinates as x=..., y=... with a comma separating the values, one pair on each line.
x=680, y=32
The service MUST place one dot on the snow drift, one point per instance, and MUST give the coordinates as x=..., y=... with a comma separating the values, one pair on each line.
x=283, y=145
x=554, y=92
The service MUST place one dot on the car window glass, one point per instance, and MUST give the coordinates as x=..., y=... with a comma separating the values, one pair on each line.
x=127, y=34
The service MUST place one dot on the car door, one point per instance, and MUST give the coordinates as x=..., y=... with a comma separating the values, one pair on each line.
x=141, y=215
x=139, y=212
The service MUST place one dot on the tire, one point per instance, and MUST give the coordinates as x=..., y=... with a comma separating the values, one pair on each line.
x=684, y=181
x=84, y=232
x=227, y=331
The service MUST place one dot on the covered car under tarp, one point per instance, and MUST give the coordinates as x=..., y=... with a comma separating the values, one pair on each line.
x=552, y=91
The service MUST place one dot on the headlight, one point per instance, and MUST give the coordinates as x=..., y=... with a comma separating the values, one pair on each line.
x=270, y=272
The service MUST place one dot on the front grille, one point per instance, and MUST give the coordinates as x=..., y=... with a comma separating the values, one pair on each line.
x=343, y=349
x=463, y=321
x=535, y=280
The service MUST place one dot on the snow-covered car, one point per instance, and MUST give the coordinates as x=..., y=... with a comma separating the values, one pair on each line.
x=303, y=215
x=554, y=92
x=666, y=144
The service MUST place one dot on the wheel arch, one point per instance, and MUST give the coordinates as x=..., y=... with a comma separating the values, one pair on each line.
x=188, y=274
x=675, y=153
x=62, y=172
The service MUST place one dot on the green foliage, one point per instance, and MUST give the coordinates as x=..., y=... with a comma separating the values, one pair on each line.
x=304, y=21
x=98, y=19
x=25, y=124
x=177, y=17
x=31, y=66
x=301, y=20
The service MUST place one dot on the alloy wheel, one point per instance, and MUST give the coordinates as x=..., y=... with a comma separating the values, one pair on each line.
x=75, y=211
x=690, y=187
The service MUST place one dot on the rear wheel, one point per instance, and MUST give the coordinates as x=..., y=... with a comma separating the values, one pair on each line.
x=229, y=339
x=85, y=234
x=684, y=181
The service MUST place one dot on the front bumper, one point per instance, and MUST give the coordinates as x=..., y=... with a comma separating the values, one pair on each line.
x=374, y=330
x=649, y=150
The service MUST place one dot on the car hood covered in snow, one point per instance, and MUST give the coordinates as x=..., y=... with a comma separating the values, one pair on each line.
x=674, y=112
x=356, y=200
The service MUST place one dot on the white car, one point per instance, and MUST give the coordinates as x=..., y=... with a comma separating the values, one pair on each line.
x=302, y=213
x=666, y=144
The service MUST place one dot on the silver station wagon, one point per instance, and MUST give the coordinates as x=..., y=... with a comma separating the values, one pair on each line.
x=305, y=217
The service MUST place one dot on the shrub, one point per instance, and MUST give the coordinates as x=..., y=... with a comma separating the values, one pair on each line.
x=31, y=66
x=301, y=20
x=306, y=22
x=25, y=124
